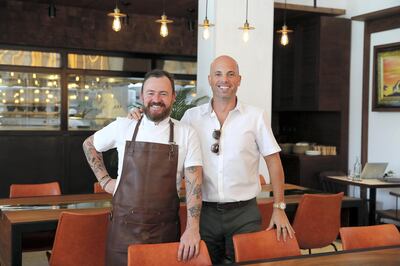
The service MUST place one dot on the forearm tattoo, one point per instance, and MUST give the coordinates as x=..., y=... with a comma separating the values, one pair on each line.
x=94, y=158
x=193, y=191
x=195, y=211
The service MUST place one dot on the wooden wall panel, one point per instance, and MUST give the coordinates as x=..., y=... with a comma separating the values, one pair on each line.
x=27, y=23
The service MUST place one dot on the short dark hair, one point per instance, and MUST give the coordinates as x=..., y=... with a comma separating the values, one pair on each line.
x=158, y=73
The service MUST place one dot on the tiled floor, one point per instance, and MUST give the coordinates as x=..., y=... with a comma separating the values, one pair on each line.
x=39, y=258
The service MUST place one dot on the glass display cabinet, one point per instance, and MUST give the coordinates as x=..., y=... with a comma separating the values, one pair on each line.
x=92, y=89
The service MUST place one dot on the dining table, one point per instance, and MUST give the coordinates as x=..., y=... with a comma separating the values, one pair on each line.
x=36, y=214
x=376, y=256
x=369, y=205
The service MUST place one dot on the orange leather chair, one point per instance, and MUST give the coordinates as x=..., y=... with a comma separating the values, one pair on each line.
x=317, y=220
x=266, y=209
x=369, y=236
x=80, y=239
x=182, y=217
x=97, y=188
x=263, y=245
x=36, y=241
x=33, y=190
x=164, y=254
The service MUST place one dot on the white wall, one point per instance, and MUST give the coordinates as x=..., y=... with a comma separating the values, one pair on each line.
x=384, y=127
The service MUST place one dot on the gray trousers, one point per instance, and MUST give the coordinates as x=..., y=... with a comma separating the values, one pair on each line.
x=218, y=225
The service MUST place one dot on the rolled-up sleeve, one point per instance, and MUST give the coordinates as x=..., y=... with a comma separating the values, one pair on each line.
x=193, y=156
x=105, y=138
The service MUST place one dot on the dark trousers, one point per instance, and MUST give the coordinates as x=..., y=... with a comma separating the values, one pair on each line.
x=218, y=225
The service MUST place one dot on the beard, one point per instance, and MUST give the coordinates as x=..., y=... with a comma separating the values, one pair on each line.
x=156, y=116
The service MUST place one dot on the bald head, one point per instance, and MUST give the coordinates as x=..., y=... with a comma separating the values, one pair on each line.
x=224, y=60
x=224, y=79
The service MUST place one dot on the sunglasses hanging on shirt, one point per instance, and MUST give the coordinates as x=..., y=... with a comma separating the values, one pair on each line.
x=216, y=135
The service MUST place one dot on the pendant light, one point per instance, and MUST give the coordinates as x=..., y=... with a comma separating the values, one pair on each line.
x=52, y=10
x=246, y=26
x=116, y=26
x=164, y=21
x=206, y=25
x=284, y=31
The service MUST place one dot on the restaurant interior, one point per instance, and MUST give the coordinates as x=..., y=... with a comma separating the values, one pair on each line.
x=327, y=73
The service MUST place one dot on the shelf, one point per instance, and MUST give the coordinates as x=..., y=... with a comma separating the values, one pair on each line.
x=30, y=114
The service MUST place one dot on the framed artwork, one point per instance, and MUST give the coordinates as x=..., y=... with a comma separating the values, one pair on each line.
x=386, y=78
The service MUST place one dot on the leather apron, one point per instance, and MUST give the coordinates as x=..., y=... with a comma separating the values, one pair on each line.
x=145, y=206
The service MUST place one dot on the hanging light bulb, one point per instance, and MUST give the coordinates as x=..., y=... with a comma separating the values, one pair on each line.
x=246, y=26
x=284, y=37
x=164, y=21
x=284, y=31
x=116, y=25
x=206, y=25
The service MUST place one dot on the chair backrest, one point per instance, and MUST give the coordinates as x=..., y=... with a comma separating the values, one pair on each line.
x=97, y=188
x=80, y=239
x=369, y=236
x=164, y=254
x=33, y=190
x=329, y=186
x=266, y=209
x=182, y=217
x=317, y=220
x=263, y=245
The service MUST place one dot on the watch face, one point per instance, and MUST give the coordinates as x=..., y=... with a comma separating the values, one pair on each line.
x=282, y=205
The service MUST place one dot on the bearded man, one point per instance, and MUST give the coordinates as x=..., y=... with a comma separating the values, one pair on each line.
x=154, y=154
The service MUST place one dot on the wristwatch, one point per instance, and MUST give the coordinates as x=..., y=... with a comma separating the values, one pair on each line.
x=279, y=205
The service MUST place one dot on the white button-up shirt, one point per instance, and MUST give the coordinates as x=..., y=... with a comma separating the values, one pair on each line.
x=118, y=132
x=233, y=174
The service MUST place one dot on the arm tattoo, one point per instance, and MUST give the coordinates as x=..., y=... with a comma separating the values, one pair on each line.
x=191, y=169
x=94, y=158
x=193, y=179
x=195, y=211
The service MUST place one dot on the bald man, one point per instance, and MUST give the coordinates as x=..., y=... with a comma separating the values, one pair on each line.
x=233, y=135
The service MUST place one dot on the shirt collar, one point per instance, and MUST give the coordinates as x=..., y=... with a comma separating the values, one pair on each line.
x=148, y=122
x=207, y=108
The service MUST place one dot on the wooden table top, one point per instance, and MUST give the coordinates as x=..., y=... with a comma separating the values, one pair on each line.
x=371, y=183
x=371, y=257
x=54, y=205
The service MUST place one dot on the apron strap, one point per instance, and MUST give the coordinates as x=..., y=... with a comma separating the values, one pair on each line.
x=136, y=129
x=171, y=132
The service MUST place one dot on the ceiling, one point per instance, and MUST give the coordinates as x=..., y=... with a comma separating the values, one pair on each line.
x=173, y=8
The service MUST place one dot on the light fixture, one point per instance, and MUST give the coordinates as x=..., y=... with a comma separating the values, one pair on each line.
x=116, y=26
x=164, y=21
x=246, y=26
x=284, y=31
x=52, y=10
x=206, y=25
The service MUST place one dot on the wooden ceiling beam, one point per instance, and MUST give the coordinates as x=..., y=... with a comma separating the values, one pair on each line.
x=311, y=9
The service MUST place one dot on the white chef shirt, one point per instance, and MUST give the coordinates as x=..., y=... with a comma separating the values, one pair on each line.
x=118, y=132
x=233, y=175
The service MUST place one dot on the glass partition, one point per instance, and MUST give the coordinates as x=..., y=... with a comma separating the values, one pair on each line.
x=95, y=101
x=114, y=63
x=29, y=58
x=177, y=67
x=29, y=101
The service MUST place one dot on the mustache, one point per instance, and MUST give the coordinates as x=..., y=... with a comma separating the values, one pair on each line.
x=156, y=104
